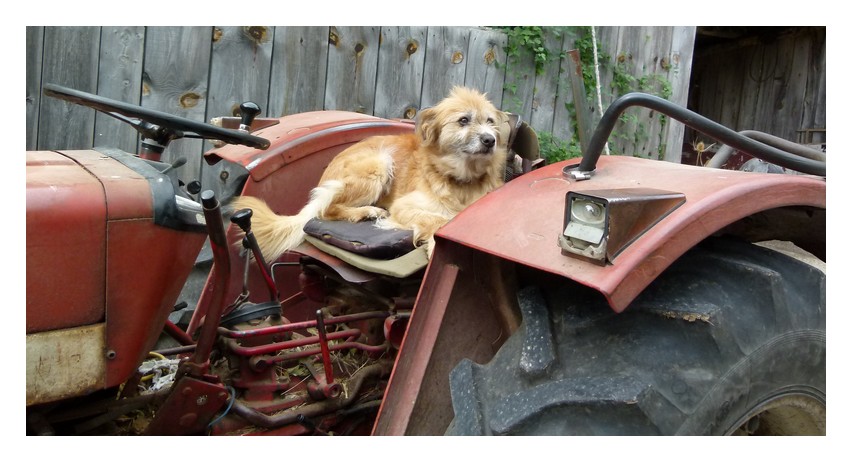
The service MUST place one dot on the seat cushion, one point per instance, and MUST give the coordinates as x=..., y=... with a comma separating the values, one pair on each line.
x=362, y=238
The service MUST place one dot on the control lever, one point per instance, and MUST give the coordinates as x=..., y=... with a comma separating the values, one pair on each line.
x=178, y=163
x=248, y=111
x=242, y=218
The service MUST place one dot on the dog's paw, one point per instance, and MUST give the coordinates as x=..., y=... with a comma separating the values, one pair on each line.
x=367, y=212
x=430, y=247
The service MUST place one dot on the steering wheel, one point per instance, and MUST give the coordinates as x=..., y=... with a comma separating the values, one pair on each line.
x=156, y=125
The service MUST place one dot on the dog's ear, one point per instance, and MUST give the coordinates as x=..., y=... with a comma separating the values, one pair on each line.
x=426, y=125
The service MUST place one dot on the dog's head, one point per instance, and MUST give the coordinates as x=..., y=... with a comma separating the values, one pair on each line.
x=465, y=124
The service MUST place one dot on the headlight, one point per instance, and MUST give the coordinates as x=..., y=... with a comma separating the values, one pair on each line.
x=585, y=227
x=598, y=225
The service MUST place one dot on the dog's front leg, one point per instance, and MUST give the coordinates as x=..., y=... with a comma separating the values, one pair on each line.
x=415, y=211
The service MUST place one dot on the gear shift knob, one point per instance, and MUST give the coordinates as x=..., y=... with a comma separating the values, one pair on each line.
x=248, y=111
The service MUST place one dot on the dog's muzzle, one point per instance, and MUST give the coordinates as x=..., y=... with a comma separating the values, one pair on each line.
x=486, y=143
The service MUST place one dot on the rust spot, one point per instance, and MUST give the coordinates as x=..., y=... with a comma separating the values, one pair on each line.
x=257, y=33
x=189, y=99
x=410, y=112
x=359, y=48
x=217, y=34
x=490, y=56
x=411, y=48
x=333, y=38
x=458, y=57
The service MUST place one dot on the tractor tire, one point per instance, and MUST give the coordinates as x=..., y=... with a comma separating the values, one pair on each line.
x=729, y=340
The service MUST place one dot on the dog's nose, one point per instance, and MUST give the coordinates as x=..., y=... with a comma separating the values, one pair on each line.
x=487, y=140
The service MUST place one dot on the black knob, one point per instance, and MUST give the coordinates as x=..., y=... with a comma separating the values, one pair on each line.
x=242, y=218
x=248, y=111
x=194, y=187
x=208, y=200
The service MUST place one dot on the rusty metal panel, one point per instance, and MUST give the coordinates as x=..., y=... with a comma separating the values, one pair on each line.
x=65, y=270
x=128, y=193
x=65, y=363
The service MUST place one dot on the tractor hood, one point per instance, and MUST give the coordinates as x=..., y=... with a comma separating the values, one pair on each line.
x=108, y=237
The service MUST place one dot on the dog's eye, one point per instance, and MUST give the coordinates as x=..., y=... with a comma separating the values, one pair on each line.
x=464, y=121
x=490, y=121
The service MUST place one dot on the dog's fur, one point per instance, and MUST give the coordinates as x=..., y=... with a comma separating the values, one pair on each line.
x=415, y=181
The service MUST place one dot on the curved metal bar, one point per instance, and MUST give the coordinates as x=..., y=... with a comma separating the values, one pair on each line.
x=724, y=153
x=697, y=122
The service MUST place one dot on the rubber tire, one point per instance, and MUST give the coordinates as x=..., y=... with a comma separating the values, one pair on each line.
x=728, y=329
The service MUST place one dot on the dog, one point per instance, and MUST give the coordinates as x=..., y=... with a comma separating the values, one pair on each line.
x=417, y=181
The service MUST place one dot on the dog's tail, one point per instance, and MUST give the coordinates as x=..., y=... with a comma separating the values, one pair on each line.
x=277, y=234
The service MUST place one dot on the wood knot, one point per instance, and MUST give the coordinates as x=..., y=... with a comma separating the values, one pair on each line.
x=257, y=33
x=359, y=48
x=333, y=38
x=411, y=48
x=490, y=56
x=217, y=34
x=189, y=99
x=458, y=57
x=410, y=112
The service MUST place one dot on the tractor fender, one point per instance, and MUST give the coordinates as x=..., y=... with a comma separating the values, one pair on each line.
x=522, y=220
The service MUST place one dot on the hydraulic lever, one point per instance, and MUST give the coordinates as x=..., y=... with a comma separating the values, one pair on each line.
x=242, y=218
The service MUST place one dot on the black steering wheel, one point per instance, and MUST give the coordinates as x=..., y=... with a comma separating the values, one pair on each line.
x=155, y=125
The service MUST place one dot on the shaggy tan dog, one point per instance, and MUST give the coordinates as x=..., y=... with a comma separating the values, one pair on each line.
x=415, y=181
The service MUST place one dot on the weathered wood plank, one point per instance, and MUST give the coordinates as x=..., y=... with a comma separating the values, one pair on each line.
x=119, y=78
x=584, y=119
x=653, y=78
x=239, y=72
x=446, y=52
x=485, y=63
x=239, y=69
x=175, y=79
x=813, y=115
x=299, y=63
x=625, y=132
x=543, y=104
x=680, y=60
x=399, y=80
x=70, y=60
x=520, y=84
x=789, y=106
x=353, y=57
x=768, y=74
x=35, y=47
x=565, y=119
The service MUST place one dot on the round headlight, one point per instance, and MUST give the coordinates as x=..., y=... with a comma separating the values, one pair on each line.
x=588, y=212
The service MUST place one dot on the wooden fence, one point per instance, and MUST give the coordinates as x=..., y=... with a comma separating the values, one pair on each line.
x=776, y=86
x=203, y=72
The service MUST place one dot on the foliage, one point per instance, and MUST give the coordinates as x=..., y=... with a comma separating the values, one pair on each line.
x=554, y=149
x=531, y=39
x=526, y=41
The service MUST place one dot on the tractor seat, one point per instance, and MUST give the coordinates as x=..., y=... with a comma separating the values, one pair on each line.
x=390, y=252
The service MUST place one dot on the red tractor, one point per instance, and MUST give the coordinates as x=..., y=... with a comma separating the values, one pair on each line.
x=605, y=296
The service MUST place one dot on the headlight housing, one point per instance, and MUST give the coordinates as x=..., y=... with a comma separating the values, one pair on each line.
x=598, y=225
